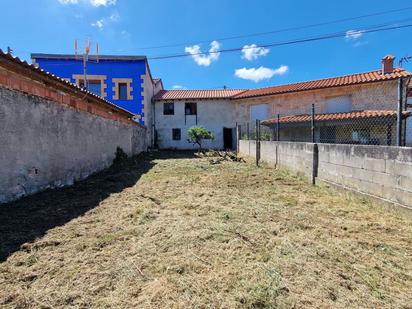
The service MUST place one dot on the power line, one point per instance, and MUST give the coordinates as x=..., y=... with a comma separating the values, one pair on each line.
x=303, y=40
x=282, y=30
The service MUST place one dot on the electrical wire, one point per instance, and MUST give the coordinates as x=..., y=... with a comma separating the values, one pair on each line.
x=302, y=40
x=282, y=30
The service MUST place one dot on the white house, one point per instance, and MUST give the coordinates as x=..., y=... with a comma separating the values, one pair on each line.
x=175, y=111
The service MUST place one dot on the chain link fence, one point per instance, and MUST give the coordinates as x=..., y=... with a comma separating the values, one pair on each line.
x=387, y=126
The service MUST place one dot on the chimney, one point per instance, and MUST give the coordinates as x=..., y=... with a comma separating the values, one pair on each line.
x=387, y=64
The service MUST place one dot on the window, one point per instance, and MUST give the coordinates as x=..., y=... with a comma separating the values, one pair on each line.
x=328, y=134
x=338, y=104
x=409, y=101
x=122, y=91
x=168, y=108
x=259, y=111
x=95, y=83
x=93, y=86
x=361, y=136
x=190, y=109
x=176, y=134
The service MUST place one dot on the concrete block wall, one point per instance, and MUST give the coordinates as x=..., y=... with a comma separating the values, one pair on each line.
x=383, y=172
x=297, y=157
x=48, y=144
x=247, y=147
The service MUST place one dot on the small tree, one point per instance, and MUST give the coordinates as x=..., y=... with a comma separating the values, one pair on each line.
x=197, y=135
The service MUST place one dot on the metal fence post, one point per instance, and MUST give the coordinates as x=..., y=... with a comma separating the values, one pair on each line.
x=313, y=123
x=237, y=138
x=257, y=141
x=278, y=129
x=399, y=114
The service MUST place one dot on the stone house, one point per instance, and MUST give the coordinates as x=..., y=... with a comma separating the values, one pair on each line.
x=356, y=108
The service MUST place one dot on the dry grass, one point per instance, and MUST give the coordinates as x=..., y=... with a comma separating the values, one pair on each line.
x=194, y=234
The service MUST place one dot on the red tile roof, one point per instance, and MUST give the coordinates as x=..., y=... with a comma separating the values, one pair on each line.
x=195, y=94
x=336, y=116
x=346, y=80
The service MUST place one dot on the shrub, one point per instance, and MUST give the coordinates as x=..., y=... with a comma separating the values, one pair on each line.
x=198, y=134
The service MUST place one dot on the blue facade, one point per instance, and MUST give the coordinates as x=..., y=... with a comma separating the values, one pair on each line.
x=112, y=69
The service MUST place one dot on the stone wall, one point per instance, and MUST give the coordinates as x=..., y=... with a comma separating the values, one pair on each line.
x=383, y=172
x=371, y=96
x=48, y=144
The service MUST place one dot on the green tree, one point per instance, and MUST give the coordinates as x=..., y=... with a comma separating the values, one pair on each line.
x=197, y=135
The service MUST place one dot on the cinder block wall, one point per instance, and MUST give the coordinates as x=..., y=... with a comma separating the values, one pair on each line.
x=297, y=157
x=46, y=144
x=384, y=172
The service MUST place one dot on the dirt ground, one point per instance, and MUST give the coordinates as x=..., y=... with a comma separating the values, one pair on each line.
x=173, y=231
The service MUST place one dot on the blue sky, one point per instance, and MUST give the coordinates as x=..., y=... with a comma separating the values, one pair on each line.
x=128, y=26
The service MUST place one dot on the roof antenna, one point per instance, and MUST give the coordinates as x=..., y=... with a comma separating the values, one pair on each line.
x=85, y=59
x=9, y=50
x=404, y=59
x=97, y=52
x=75, y=48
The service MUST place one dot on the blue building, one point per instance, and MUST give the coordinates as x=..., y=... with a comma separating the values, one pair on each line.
x=124, y=80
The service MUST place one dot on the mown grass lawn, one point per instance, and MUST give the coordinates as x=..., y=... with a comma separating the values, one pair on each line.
x=174, y=231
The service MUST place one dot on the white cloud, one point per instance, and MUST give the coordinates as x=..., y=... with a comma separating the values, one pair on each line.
x=251, y=52
x=178, y=87
x=68, y=1
x=359, y=44
x=95, y=3
x=102, y=2
x=353, y=34
x=125, y=34
x=204, y=59
x=114, y=17
x=102, y=22
x=98, y=24
x=261, y=73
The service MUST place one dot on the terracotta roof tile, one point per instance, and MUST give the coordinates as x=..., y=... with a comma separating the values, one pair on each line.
x=336, y=116
x=196, y=94
x=353, y=79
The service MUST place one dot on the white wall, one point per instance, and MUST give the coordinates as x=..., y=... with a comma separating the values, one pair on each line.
x=149, y=90
x=211, y=114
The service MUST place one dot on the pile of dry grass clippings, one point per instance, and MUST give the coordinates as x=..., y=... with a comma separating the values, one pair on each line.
x=174, y=231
